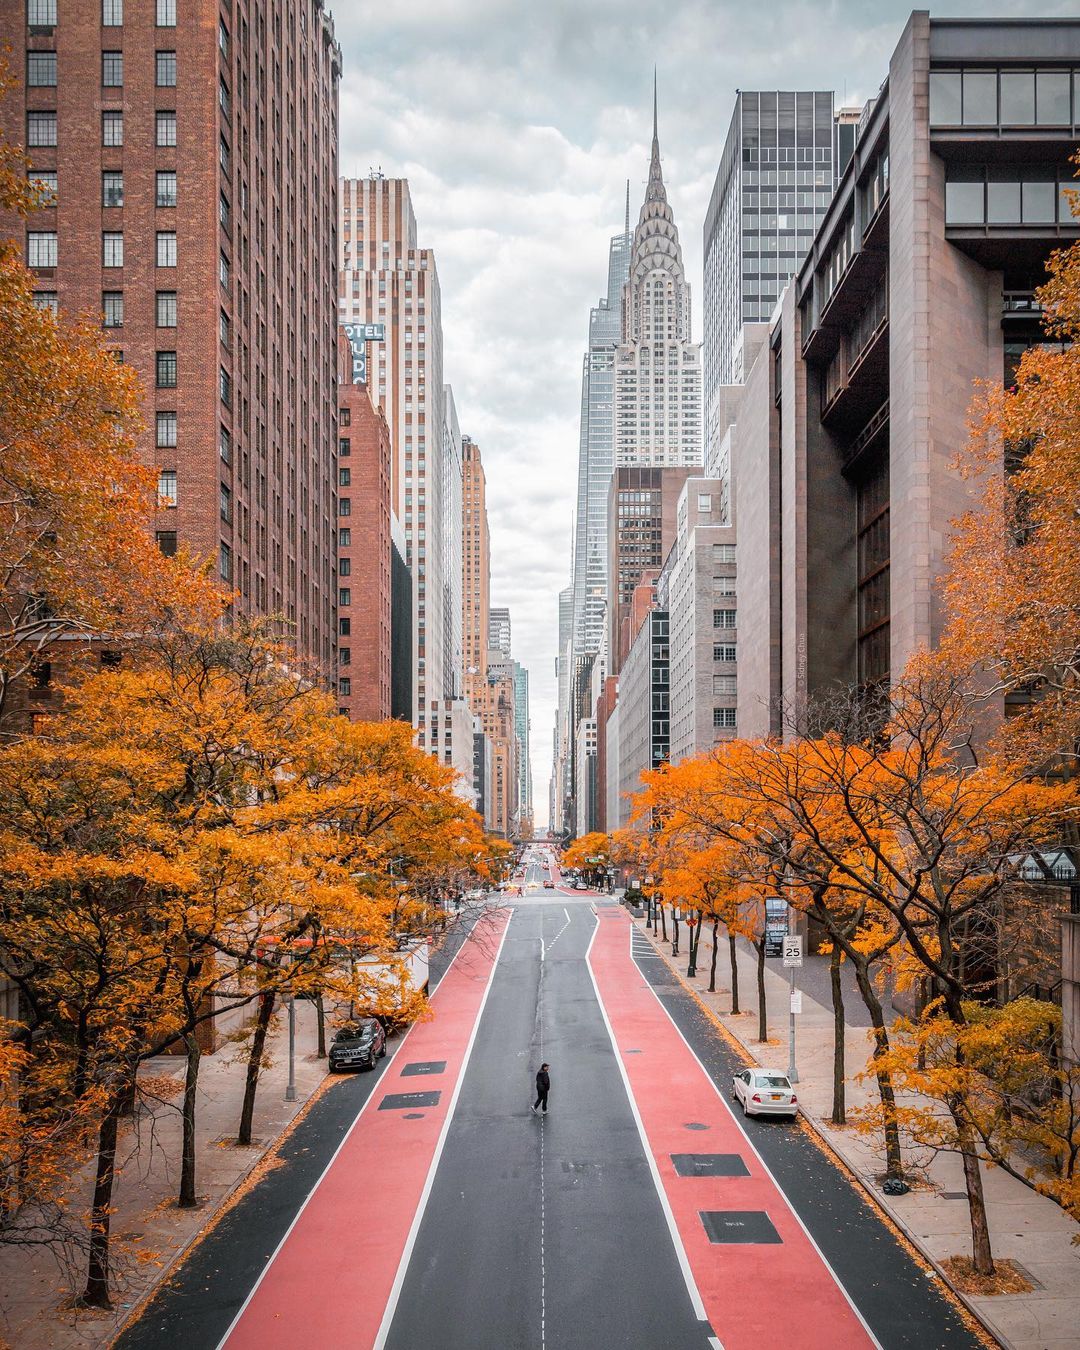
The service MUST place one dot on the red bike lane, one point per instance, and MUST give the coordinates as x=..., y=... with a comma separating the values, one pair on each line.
x=337, y=1272
x=754, y=1269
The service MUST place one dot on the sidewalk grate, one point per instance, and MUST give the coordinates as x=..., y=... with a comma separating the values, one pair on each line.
x=749, y=1227
x=402, y=1101
x=423, y=1066
x=709, y=1165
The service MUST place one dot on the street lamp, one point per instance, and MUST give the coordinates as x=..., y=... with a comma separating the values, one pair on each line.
x=692, y=924
x=676, y=915
x=290, y=1088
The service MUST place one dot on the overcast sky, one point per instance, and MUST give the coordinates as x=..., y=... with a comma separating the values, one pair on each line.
x=517, y=123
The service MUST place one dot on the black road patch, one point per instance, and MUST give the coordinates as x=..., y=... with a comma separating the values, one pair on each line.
x=709, y=1165
x=402, y=1101
x=749, y=1227
x=423, y=1066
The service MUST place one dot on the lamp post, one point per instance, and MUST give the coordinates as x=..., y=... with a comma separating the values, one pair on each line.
x=650, y=900
x=692, y=924
x=676, y=915
x=290, y=1087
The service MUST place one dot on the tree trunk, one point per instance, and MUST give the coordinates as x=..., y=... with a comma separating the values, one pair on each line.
x=187, y=1198
x=712, y=963
x=839, y=1106
x=981, y=1253
x=258, y=1044
x=320, y=1022
x=96, y=1292
x=894, y=1165
x=762, y=1011
x=663, y=924
x=734, y=972
x=674, y=936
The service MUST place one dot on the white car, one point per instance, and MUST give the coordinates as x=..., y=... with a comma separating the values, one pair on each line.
x=765, y=1092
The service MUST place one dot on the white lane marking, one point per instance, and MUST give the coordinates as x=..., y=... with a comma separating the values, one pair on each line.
x=673, y=1230
x=761, y=1160
x=567, y=913
x=715, y=1342
x=410, y=1241
x=387, y=1063
x=541, y=949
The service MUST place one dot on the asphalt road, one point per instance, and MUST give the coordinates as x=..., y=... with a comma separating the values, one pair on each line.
x=555, y=1232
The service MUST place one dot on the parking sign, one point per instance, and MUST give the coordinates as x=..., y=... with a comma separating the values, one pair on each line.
x=793, y=949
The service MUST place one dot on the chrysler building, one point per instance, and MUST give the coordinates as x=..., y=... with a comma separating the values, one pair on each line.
x=658, y=419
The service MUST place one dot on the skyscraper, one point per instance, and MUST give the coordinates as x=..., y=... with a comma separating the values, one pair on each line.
x=657, y=367
x=597, y=448
x=521, y=724
x=172, y=216
x=772, y=189
x=386, y=278
x=499, y=630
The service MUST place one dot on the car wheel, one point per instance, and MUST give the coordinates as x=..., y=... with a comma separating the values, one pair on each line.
x=382, y=1052
x=745, y=1108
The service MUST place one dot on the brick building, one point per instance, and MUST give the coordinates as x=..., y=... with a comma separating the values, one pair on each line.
x=365, y=550
x=188, y=155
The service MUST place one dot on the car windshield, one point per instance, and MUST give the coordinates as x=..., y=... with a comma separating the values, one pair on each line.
x=355, y=1034
x=772, y=1080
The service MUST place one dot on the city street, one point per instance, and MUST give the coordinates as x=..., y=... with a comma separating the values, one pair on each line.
x=426, y=1206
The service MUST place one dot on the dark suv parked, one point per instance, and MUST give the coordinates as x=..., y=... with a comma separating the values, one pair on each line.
x=358, y=1045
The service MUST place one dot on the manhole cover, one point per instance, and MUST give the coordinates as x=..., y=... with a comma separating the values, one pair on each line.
x=401, y=1101
x=695, y=1125
x=709, y=1165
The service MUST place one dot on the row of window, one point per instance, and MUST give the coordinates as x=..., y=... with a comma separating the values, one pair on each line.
x=1008, y=195
x=42, y=13
x=724, y=717
x=41, y=128
x=990, y=98
x=112, y=248
x=724, y=618
x=41, y=70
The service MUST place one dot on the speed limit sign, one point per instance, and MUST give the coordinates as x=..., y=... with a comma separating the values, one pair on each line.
x=793, y=949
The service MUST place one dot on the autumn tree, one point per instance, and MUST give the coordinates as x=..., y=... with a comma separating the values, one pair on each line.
x=591, y=854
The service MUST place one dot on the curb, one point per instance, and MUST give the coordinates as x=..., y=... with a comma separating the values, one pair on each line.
x=817, y=1130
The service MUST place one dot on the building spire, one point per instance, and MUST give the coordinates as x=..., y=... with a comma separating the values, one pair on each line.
x=656, y=174
x=655, y=136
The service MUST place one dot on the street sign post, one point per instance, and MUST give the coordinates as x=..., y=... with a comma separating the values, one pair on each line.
x=793, y=954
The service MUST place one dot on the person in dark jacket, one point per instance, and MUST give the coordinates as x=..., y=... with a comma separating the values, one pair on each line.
x=543, y=1086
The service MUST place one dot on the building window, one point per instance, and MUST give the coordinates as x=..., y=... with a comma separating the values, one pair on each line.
x=723, y=652
x=41, y=128
x=344, y=627
x=224, y=157
x=704, y=502
x=43, y=185
x=166, y=487
x=723, y=553
x=166, y=542
x=344, y=687
x=723, y=618
x=112, y=69
x=112, y=13
x=225, y=503
x=112, y=188
x=344, y=477
x=223, y=270
x=112, y=249
x=166, y=248
x=112, y=128
x=165, y=370
x=41, y=70
x=224, y=329
x=41, y=13
x=166, y=13
x=49, y=300
x=112, y=309
x=41, y=249
x=344, y=656
x=724, y=717
x=223, y=97
x=225, y=562
x=165, y=70
x=344, y=417
x=165, y=123
x=225, y=386
x=344, y=595
x=166, y=429
x=344, y=447
x=225, y=444
x=223, y=211
x=344, y=567
x=165, y=305
x=166, y=188
x=344, y=538
x=724, y=685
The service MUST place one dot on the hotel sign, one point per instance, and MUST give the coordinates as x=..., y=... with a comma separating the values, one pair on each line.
x=359, y=335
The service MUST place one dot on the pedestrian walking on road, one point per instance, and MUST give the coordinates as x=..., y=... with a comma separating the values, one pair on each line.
x=543, y=1086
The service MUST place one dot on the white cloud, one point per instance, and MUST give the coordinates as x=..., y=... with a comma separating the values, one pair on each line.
x=518, y=124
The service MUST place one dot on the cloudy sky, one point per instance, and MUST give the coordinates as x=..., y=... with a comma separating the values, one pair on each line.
x=518, y=123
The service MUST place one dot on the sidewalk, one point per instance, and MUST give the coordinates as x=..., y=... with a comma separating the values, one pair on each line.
x=1025, y=1227
x=33, y=1292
